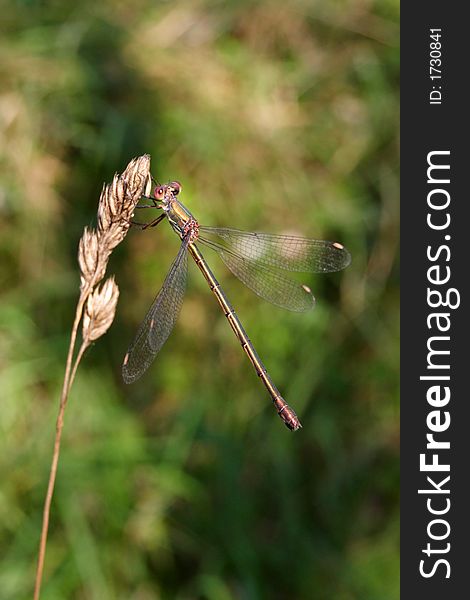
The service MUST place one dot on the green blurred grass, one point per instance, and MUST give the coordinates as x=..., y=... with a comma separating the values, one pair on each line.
x=275, y=117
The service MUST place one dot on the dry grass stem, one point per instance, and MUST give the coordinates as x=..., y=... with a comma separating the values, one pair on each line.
x=96, y=306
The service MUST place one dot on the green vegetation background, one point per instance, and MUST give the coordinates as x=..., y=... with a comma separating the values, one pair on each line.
x=275, y=116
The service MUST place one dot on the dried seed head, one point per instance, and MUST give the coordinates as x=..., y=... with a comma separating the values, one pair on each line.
x=116, y=207
x=110, y=205
x=118, y=200
x=100, y=310
x=137, y=175
x=92, y=258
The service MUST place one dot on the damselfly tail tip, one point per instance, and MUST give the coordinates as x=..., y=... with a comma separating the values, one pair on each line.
x=289, y=417
x=294, y=426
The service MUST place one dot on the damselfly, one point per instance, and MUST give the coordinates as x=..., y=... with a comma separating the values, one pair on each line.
x=259, y=260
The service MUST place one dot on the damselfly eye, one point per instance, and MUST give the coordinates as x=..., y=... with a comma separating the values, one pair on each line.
x=159, y=192
x=176, y=187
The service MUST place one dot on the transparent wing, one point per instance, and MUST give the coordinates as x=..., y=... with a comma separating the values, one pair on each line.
x=159, y=321
x=268, y=283
x=287, y=252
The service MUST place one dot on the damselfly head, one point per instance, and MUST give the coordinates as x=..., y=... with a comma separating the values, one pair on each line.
x=163, y=192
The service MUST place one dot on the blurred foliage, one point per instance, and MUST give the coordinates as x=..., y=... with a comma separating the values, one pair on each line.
x=274, y=116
